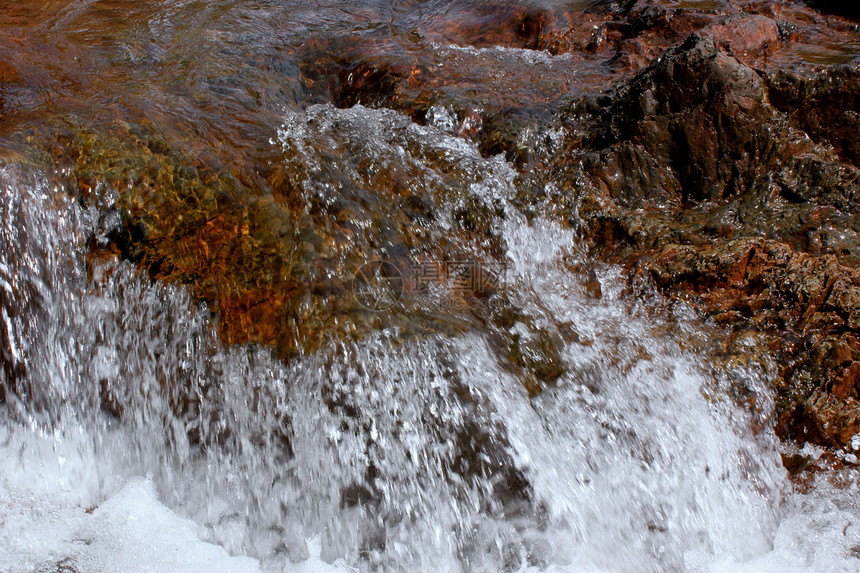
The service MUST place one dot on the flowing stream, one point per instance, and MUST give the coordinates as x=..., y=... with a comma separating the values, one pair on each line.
x=138, y=440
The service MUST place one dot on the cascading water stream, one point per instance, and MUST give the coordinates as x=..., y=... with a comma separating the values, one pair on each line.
x=384, y=452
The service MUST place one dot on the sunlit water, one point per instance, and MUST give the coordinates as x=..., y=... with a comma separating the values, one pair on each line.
x=382, y=453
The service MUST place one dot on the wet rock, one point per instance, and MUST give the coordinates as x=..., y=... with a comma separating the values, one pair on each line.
x=13, y=372
x=795, y=463
x=696, y=132
x=13, y=89
x=788, y=294
x=7, y=75
x=701, y=112
x=494, y=24
x=826, y=106
x=821, y=418
x=67, y=565
x=732, y=201
x=648, y=29
x=750, y=34
x=346, y=72
x=535, y=355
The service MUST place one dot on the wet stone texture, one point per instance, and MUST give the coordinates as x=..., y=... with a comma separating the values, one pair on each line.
x=711, y=148
x=736, y=189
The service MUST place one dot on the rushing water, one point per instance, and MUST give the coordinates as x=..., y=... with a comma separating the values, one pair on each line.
x=137, y=440
x=637, y=459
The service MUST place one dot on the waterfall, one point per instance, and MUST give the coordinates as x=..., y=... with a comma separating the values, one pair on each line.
x=133, y=439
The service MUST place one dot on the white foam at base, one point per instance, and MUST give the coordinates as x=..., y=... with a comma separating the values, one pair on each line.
x=48, y=522
x=820, y=532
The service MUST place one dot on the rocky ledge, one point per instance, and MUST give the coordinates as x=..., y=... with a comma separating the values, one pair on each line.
x=735, y=190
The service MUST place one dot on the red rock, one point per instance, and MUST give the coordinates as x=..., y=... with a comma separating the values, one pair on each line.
x=745, y=35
